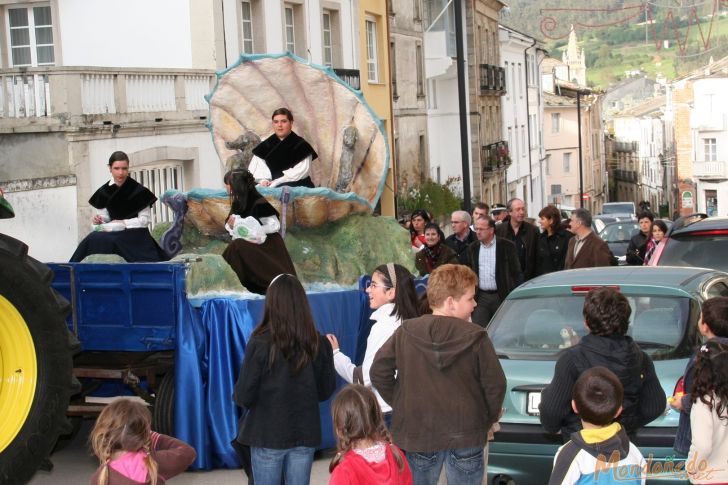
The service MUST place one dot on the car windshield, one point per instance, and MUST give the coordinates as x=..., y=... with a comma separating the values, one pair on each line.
x=619, y=232
x=698, y=251
x=627, y=208
x=538, y=328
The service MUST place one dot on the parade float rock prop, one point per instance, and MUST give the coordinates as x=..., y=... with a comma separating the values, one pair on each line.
x=338, y=252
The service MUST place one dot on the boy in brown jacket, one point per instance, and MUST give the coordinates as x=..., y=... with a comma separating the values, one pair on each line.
x=442, y=377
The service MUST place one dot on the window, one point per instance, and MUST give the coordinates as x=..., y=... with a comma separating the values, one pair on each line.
x=372, y=64
x=31, y=36
x=523, y=141
x=393, y=57
x=567, y=162
x=159, y=178
x=290, y=30
x=327, y=39
x=709, y=146
x=556, y=189
x=508, y=92
x=431, y=94
x=416, y=9
x=420, y=72
x=521, y=78
x=555, y=122
x=247, y=27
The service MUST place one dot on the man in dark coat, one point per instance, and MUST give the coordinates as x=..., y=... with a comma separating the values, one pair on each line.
x=462, y=236
x=495, y=261
x=586, y=249
x=522, y=234
x=637, y=244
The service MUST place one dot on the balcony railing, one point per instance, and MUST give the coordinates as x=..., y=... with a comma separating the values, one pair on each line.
x=492, y=79
x=350, y=76
x=710, y=170
x=494, y=158
x=66, y=93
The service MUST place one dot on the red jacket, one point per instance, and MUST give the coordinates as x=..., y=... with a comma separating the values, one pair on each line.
x=355, y=470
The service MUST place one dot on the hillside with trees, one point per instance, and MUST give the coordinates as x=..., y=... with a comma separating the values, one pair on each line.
x=677, y=37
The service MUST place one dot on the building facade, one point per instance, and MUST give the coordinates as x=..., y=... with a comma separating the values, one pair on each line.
x=522, y=109
x=409, y=106
x=701, y=139
x=575, y=158
x=485, y=83
x=643, y=174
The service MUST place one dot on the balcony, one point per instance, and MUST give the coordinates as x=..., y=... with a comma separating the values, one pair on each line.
x=492, y=79
x=626, y=146
x=494, y=158
x=625, y=175
x=349, y=76
x=701, y=121
x=710, y=170
x=48, y=97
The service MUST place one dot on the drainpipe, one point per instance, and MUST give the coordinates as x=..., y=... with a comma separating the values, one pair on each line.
x=528, y=117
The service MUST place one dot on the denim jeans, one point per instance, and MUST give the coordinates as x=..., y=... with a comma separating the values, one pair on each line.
x=463, y=466
x=270, y=466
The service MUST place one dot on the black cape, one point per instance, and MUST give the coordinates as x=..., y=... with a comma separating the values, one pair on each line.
x=281, y=155
x=123, y=202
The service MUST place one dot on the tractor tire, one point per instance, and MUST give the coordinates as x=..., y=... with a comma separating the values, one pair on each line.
x=163, y=413
x=36, y=379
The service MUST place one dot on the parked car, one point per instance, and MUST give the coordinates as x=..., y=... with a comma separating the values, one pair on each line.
x=696, y=240
x=620, y=210
x=617, y=235
x=540, y=318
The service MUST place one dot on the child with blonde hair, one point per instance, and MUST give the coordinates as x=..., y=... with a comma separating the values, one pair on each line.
x=129, y=452
x=365, y=450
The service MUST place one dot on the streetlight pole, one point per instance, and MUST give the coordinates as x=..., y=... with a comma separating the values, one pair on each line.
x=464, y=149
x=581, y=166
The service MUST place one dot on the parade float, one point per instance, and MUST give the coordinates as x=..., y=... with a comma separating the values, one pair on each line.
x=174, y=333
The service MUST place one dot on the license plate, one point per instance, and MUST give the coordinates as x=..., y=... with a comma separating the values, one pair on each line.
x=534, y=399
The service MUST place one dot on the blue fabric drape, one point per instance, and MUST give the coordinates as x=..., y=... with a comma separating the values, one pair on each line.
x=210, y=348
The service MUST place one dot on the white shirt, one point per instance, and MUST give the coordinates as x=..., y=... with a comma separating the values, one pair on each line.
x=709, y=443
x=486, y=267
x=383, y=328
x=260, y=171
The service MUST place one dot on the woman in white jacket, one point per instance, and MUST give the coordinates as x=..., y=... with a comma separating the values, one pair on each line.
x=393, y=298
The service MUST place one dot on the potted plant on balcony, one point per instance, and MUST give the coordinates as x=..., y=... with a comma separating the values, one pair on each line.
x=503, y=156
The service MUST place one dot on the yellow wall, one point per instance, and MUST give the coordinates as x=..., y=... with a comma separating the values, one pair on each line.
x=378, y=95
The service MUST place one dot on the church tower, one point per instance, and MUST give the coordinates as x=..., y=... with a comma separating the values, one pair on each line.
x=574, y=58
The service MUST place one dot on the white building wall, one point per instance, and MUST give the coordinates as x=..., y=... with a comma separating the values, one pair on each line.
x=42, y=216
x=443, y=113
x=709, y=119
x=521, y=101
x=129, y=33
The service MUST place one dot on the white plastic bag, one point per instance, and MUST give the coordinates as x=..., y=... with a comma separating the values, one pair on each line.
x=248, y=228
x=110, y=227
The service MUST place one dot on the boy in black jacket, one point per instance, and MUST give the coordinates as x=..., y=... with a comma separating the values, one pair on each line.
x=606, y=314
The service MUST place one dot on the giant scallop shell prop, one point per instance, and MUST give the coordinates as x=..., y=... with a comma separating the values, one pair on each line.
x=353, y=156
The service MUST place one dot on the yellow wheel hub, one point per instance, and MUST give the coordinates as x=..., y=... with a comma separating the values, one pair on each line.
x=18, y=372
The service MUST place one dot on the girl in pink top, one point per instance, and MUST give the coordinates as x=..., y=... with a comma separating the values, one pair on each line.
x=129, y=451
